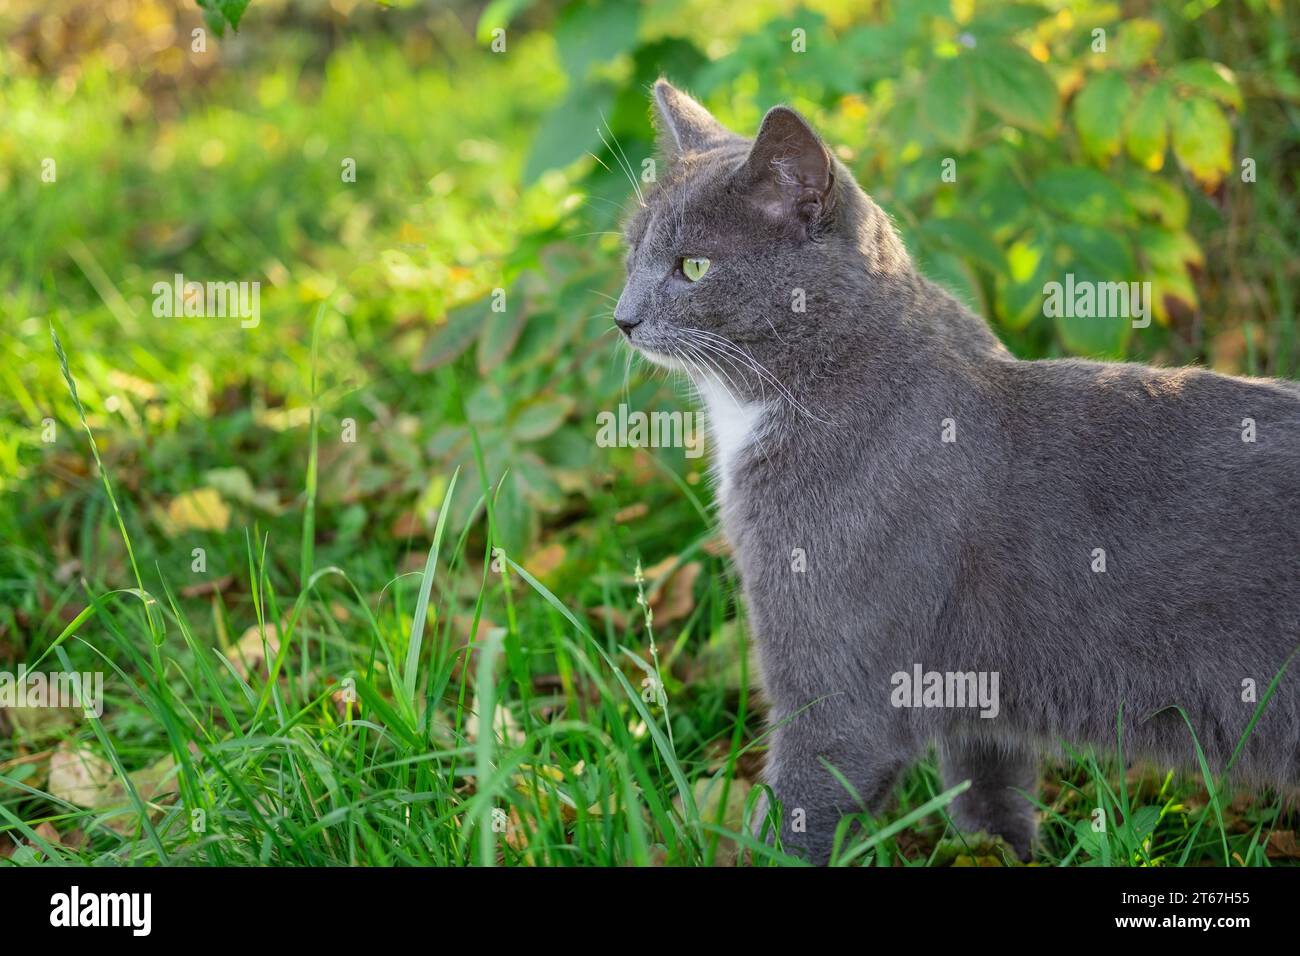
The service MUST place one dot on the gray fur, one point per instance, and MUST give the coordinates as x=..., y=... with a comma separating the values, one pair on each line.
x=973, y=555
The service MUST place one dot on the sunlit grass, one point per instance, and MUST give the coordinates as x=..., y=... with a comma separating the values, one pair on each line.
x=283, y=763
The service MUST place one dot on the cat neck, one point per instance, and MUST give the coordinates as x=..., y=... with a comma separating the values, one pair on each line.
x=855, y=362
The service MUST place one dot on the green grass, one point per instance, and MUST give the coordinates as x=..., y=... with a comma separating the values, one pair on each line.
x=288, y=770
x=321, y=692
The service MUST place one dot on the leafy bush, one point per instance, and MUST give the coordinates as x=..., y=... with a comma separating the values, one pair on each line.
x=1013, y=143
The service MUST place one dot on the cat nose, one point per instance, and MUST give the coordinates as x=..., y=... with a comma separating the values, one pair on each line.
x=621, y=312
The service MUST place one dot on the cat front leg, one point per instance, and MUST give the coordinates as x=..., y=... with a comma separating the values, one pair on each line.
x=813, y=800
x=999, y=771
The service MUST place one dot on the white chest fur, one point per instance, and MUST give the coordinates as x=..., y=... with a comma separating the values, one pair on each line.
x=734, y=425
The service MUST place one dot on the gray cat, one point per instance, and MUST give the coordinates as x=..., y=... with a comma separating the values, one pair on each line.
x=939, y=542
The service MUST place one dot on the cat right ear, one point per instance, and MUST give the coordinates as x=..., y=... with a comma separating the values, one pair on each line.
x=684, y=125
x=789, y=173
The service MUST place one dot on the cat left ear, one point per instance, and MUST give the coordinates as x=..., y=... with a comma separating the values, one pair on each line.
x=789, y=172
x=684, y=125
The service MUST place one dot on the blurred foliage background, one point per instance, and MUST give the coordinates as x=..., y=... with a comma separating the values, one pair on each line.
x=1107, y=139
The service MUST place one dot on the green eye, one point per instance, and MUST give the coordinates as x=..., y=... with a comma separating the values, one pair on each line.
x=694, y=269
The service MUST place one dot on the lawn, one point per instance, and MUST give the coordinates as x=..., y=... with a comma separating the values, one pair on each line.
x=363, y=585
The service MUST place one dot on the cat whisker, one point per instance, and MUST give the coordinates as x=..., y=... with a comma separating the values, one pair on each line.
x=676, y=352
x=614, y=353
x=749, y=364
x=627, y=374
x=679, y=353
x=721, y=370
x=609, y=202
x=779, y=337
x=741, y=369
x=621, y=157
x=710, y=349
x=731, y=396
x=760, y=369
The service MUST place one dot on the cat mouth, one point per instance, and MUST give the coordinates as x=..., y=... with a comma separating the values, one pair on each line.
x=669, y=362
x=660, y=357
x=661, y=354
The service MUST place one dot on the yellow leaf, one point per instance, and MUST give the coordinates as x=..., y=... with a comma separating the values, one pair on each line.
x=1202, y=140
x=80, y=776
x=198, y=510
x=249, y=654
x=674, y=599
x=542, y=564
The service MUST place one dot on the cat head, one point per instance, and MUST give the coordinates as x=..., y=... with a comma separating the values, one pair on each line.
x=742, y=243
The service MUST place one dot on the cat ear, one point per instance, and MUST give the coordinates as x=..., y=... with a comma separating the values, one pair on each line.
x=789, y=172
x=684, y=125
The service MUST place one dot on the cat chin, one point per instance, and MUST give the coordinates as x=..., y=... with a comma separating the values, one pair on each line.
x=664, y=361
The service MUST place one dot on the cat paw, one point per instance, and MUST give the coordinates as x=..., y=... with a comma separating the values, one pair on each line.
x=980, y=848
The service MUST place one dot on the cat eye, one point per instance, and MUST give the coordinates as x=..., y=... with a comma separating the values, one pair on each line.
x=695, y=268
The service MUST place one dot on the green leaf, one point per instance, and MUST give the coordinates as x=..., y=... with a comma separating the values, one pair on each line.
x=500, y=330
x=545, y=334
x=1096, y=256
x=1173, y=293
x=1143, y=822
x=217, y=13
x=1099, y=112
x=1169, y=250
x=1087, y=838
x=570, y=130
x=1013, y=85
x=902, y=125
x=588, y=33
x=1202, y=140
x=485, y=406
x=1147, y=127
x=1212, y=79
x=541, y=417
x=1098, y=251
x=673, y=57
x=498, y=336
x=1003, y=204
x=539, y=488
x=1154, y=197
x=449, y=340
x=1020, y=288
x=877, y=48
x=947, y=103
x=1094, y=337
x=1135, y=42
x=1001, y=21
x=498, y=14
x=966, y=239
x=1082, y=194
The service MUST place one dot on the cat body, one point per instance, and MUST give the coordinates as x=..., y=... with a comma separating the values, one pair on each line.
x=939, y=543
